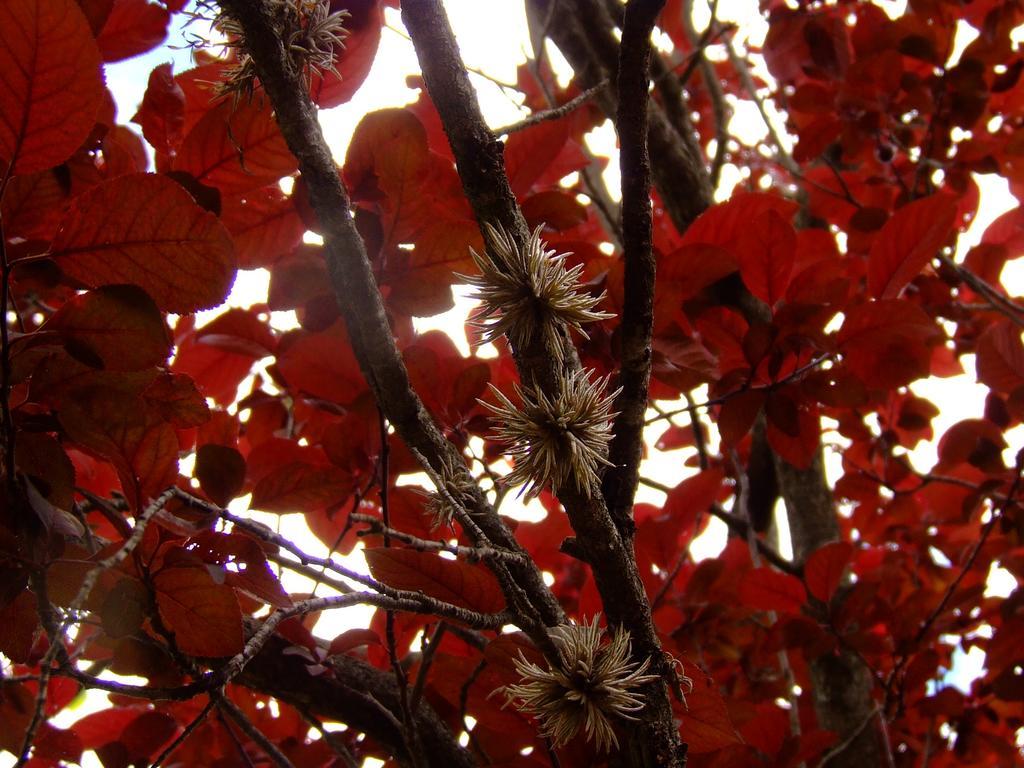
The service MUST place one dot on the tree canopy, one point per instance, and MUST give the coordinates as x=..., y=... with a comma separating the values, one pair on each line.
x=760, y=315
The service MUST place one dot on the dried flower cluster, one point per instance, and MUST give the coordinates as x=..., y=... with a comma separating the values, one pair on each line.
x=310, y=32
x=592, y=683
x=528, y=292
x=451, y=492
x=554, y=439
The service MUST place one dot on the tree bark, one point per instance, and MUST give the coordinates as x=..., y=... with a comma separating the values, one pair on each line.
x=583, y=31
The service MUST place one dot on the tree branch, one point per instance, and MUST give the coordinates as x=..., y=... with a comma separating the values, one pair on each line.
x=480, y=162
x=635, y=329
x=352, y=279
x=358, y=695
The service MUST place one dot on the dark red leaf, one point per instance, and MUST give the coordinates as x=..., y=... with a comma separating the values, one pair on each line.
x=322, y=365
x=220, y=471
x=353, y=60
x=722, y=224
x=162, y=112
x=146, y=230
x=353, y=638
x=887, y=343
x=52, y=85
x=240, y=332
x=468, y=586
x=144, y=735
x=141, y=446
x=236, y=148
x=1000, y=357
x=244, y=561
x=766, y=251
x=264, y=224
x=907, y=242
x=115, y=327
x=706, y=725
x=203, y=616
x=57, y=744
x=824, y=569
x=532, y=152
x=295, y=487
x=133, y=27
x=769, y=590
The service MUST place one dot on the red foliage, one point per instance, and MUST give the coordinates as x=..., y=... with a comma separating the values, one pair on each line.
x=849, y=259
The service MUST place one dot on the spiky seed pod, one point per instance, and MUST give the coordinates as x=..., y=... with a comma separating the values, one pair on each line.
x=450, y=495
x=591, y=684
x=310, y=33
x=528, y=292
x=555, y=439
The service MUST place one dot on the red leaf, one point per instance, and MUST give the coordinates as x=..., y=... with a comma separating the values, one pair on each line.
x=264, y=225
x=133, y=27
x=737, y=415
x=887, y=343
x=695, y=266
x=236, y=148
x=455, y=582
x=59, y=745
x=824, y=569
x=907, y=242
x=146, y=230
x=298, y=487
x=240, y=332
x=692, y=497
x=706, y=725
x=769, y=590
x=118, y=427
x=353, y=638
x=144, y=735
x=532, y=152
x=321, y=364
x=220, y=471
x=175, y=398
x=162, y=112
x=354, y=59
x=722, y=224
x=1000, y=357
x=797, y=438
x=766, y=251
x=297, y=278
x=52, y=85
x=116, y=327
x=246, y=564
x=203, y=615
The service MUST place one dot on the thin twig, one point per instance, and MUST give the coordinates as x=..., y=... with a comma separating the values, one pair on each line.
x=851, y=737
x=402, y=681
x=472, y=554
x=746, y=79
x=5, y=351
x=426, y=660
x=337, y=746
x=551, y=114
x=998, y=302
x=711, y=82
x=194, y=723
x=57, y=637
x=766, y=388
x=277, y=757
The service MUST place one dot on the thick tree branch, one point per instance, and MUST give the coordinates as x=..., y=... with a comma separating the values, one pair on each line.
x=480, y=161
x=583, y=31
x=353, y=282
x=626, y=449
x=358, y=695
